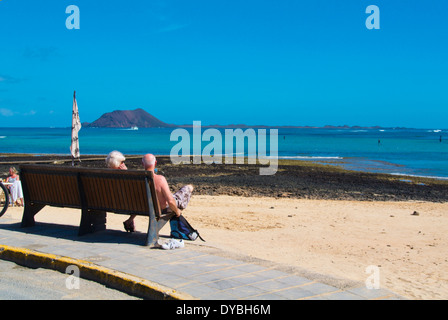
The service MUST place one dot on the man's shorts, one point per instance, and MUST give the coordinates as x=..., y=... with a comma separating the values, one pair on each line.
x=182, y=197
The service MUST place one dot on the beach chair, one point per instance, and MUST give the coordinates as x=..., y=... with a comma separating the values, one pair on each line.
x=95, y=192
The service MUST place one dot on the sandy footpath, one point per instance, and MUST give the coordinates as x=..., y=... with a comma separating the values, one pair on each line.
x=332, y=237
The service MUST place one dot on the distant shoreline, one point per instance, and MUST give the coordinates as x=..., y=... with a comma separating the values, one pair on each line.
x=244, y=126
x=142, y=119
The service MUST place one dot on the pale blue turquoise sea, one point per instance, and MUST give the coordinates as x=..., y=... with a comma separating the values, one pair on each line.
x=421, y=152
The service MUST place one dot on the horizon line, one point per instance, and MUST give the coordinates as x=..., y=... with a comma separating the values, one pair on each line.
x=244, y=126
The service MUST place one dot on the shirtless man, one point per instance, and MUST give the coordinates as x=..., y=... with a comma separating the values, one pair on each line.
x=167, y=202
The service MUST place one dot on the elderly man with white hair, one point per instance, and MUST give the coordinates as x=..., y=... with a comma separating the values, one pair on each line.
x=169, y=203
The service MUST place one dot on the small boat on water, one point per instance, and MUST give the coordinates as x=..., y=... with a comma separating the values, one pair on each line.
x=134, y=128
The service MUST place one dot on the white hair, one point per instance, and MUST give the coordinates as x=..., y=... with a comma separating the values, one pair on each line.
x=114, y=159
x=149, y=163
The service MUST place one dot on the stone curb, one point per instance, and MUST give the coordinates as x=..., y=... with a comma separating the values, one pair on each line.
x=118, y=280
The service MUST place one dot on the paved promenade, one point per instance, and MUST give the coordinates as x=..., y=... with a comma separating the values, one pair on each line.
x=197, y=271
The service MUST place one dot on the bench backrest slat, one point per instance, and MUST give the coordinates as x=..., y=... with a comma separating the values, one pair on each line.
x=53, y=189
x=97, y=189
x=115, y=193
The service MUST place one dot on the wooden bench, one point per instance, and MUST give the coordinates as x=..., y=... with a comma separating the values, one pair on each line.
x=95, y=192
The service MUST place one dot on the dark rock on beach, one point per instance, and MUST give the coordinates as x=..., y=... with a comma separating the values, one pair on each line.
x=294, y=179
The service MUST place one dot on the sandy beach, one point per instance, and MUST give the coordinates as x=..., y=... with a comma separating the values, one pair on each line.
x=336, y=238
x=337, y=235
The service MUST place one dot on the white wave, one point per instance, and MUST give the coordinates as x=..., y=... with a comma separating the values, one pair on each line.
x=310, y=157
x=417, y=176
x=2, y=137
x=224, y=154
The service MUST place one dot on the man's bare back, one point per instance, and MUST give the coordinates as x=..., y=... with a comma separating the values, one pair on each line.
x=166, y=200
x=175, y=203
x=162, y=190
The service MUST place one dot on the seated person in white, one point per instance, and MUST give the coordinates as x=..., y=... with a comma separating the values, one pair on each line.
x=16, y=188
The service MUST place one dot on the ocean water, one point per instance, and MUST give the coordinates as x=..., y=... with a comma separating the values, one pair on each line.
x=420, y=152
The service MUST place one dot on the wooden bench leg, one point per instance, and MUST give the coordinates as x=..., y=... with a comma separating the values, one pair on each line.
x=92, y=221
x=29, y=211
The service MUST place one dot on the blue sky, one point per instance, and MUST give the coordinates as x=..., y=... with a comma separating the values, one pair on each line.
x=282, y=62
